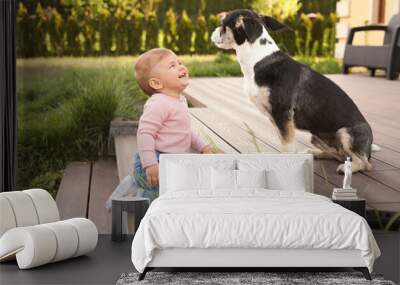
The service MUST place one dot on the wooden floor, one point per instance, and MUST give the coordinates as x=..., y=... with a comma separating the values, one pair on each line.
x=84, y=190
x=223, y=115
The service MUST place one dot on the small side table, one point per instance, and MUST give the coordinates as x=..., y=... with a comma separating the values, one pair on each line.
x=136, y=205
x=357, y=206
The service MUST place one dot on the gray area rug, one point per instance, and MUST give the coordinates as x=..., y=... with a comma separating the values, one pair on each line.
x=242, y=278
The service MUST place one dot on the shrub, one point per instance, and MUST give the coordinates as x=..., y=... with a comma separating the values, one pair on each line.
x=184, y=31
x=213, y=23
x=23, y=34
x=39, y=32
x=49, y=181
x=332, y=36
x=120, y=16
x=93, y=27
x=280, y=9
x=135, y=31
x=89, y=30
x=56, y=31
x=170, y=30
x=105, y=26
x=317, y=33
x=91, y=115
x=72, y=31
x=151, y=31
x=201, y=40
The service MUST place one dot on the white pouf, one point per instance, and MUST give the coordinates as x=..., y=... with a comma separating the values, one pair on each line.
x=87, y=233
x=33, y=246
x=31, y=232
x=46, y=207
x=67, y=237
x=7, y=216
x=23, y=208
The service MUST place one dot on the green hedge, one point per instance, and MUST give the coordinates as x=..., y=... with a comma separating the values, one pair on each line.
x=94, y=28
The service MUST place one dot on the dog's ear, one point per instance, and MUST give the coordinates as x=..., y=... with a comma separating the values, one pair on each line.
x=250, y=26
x=222, y=15
x=273, y=24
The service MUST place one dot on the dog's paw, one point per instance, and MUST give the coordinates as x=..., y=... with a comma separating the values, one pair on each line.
x=375, y=148
x=340, y=169
x=289, y=148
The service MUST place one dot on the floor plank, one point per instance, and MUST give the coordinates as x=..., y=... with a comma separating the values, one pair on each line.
x=104, y=181
x=73, y=192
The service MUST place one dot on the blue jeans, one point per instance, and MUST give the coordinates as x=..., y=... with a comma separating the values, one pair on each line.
x=150, y=192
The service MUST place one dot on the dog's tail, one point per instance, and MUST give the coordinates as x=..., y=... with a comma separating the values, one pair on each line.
x=375, y=148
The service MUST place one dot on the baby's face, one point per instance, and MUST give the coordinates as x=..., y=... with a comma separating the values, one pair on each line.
x=172, y=74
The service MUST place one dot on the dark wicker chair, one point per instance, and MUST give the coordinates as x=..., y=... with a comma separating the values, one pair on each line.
x=385, y=57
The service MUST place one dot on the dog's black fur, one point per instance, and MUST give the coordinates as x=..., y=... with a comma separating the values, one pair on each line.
x=317, y=103
x=312, y=101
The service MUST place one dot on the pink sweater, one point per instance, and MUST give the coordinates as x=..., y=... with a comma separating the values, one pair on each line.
x=165, y=126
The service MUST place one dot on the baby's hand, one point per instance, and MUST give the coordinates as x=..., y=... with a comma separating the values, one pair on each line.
x=152, y=174
x=210, y=149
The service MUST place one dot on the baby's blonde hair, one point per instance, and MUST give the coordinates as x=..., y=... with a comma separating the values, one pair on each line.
x=145, y=64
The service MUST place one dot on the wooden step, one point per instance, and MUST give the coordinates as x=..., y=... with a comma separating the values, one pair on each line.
x=125, y=148
x=73, y=193
x=126, y=145
x=104, y=181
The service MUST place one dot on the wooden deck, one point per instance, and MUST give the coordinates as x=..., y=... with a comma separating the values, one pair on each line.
x=222, y=109
x=223, y=116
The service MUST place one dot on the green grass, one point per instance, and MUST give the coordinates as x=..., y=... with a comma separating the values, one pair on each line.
x=66, y=116
x=65, y=106
x=324, y=65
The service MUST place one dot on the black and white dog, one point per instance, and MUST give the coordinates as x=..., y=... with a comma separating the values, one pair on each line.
x=292, y=94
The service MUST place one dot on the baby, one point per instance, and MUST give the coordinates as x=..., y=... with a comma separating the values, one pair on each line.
x=164, y=126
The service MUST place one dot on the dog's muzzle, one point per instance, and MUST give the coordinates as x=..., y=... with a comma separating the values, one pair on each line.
x=216, y=36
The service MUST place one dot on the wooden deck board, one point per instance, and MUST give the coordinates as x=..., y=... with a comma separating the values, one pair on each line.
x=104, y=181
x=73, y=192
x=387, y=141
x=208, y=135
x=125, y=148
x=322, y=186
x=232, y=134
x=381, y=187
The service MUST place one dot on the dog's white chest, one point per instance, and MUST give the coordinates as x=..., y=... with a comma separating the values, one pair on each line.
x=257, y=95
x=250, y=87
x=262, y=100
